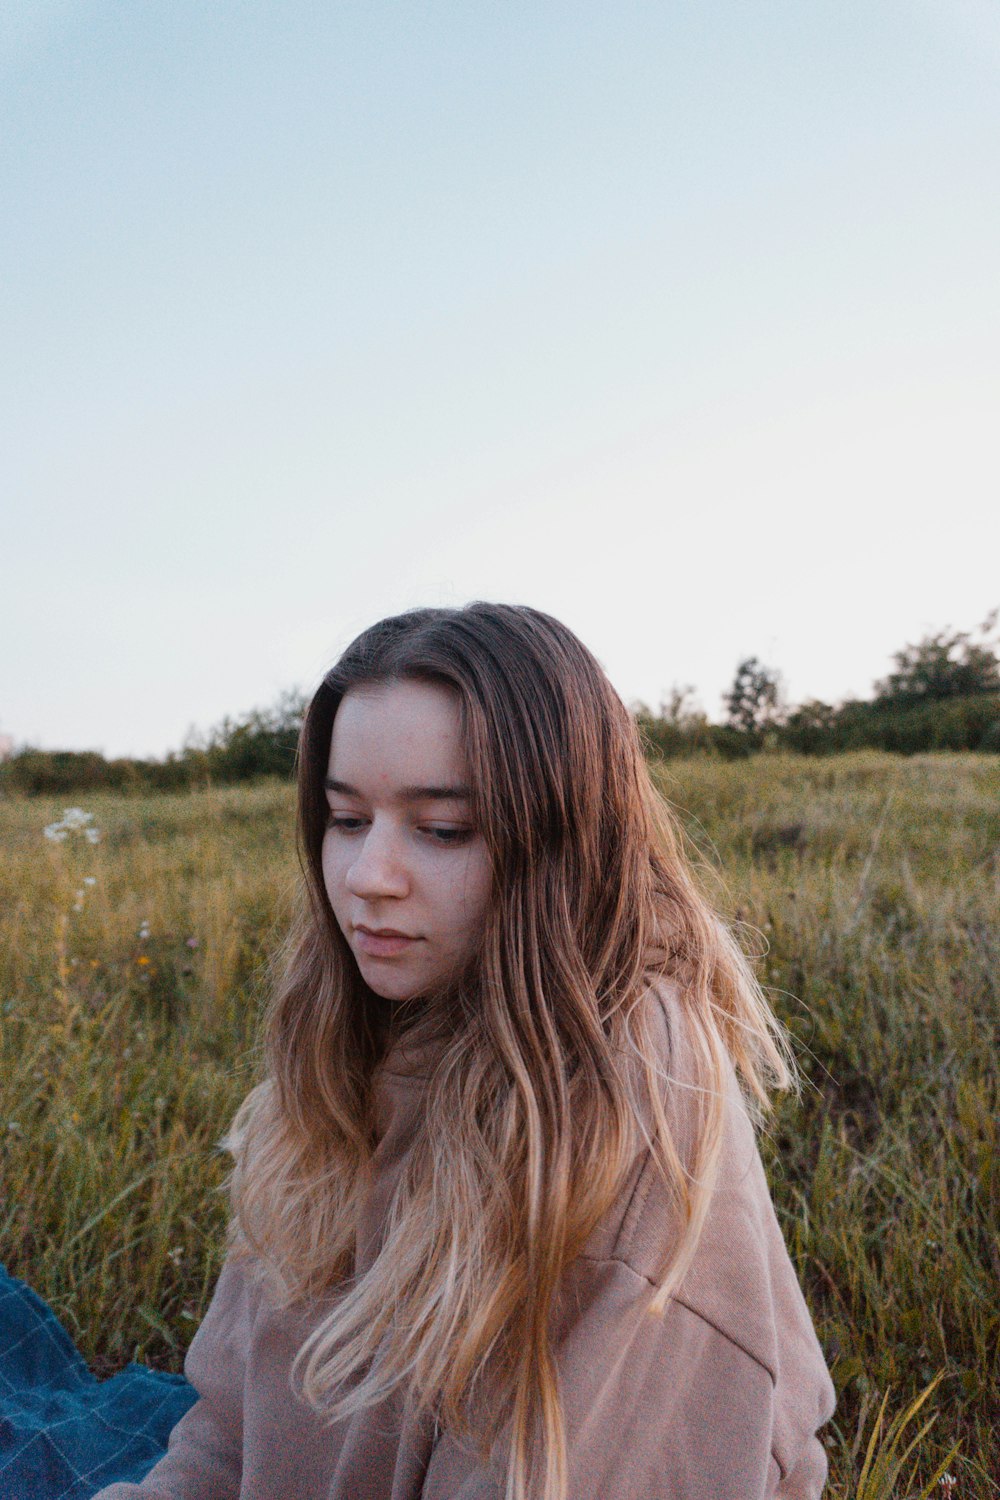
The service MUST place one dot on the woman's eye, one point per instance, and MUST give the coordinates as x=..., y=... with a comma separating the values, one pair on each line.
x=447, y=836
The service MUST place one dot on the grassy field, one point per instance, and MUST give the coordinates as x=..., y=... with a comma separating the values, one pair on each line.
x=132, y=978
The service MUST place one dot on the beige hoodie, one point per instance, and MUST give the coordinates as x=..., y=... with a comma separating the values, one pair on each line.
x=719, y=1399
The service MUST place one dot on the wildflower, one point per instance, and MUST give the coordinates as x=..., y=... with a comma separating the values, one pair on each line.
x=75, y=817
x=143, y=930
x=90, y=880
x=73, y=820
x=192, y=942
x=14, y=1128
x=142, y=960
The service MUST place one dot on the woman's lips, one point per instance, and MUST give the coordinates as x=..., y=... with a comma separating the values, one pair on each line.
x=381, y=945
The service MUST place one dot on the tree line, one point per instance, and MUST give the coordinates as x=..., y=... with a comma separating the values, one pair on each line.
x=261, y=743
x=942, y=694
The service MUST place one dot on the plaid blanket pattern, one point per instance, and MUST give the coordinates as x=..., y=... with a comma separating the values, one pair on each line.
x=63, y=1433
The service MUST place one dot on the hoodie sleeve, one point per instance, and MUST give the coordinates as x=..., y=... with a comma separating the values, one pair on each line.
x=659, y=1408
x=204, y=1457
x=719, y=1398
x=671, y=1407
x=739, y=1334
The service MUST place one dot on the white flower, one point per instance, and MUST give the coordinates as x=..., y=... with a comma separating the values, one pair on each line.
x=73, y=820
x=90, y=880
x=75, y=817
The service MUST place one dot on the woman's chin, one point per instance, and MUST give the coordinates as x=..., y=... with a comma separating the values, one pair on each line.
x=382, y=981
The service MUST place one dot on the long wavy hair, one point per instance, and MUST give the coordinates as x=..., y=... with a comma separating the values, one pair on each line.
x=547, y=1082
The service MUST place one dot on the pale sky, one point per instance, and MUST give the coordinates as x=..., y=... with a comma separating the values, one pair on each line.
x=678, y=321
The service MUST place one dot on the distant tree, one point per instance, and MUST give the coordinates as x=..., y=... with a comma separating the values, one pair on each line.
x=811, y=728
x=678, y=727
x=949, y=664
x=261, y=743
x=753, y=701
x=680, y=706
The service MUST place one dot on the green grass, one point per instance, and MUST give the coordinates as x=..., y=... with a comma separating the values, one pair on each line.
x=872, y=882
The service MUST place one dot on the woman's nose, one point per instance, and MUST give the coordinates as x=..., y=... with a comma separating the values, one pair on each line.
x=378, y=869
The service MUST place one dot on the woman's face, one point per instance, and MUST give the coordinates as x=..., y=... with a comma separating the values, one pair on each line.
x=406, y=872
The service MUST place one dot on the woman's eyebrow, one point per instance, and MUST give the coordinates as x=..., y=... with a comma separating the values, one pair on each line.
x=407, y=793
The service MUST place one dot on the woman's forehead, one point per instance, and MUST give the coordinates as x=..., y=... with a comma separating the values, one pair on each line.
x=405, y=733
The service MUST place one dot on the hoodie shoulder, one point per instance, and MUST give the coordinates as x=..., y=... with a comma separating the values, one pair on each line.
x=741, y=1283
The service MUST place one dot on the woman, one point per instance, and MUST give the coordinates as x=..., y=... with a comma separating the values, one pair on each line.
x=500, y=1227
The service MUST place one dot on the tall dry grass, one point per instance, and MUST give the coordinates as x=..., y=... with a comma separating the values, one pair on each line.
x=872, y=882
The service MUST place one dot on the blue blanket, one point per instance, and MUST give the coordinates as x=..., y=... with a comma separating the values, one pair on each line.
x=63, y=1433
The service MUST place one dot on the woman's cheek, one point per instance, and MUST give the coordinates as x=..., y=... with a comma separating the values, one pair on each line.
x=475, y=892
x=333, y=876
